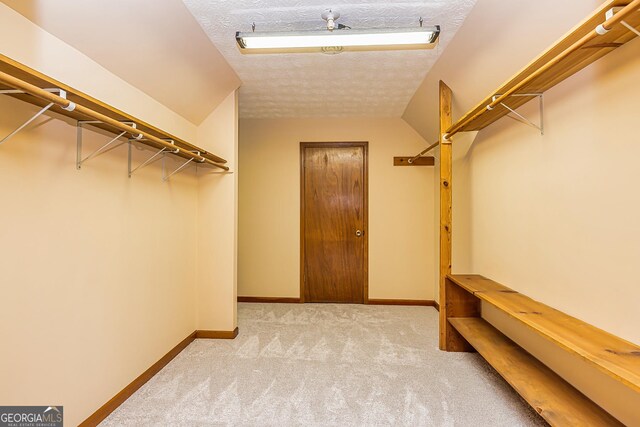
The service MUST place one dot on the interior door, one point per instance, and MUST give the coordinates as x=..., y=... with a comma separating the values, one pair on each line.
x=334, y=222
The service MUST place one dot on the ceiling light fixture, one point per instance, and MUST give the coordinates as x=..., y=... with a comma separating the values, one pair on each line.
x=342, y=39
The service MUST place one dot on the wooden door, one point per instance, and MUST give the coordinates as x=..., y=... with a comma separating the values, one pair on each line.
x=334, y=222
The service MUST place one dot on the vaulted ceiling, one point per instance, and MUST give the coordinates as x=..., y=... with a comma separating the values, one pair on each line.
x=316, y=85
x=183, y=52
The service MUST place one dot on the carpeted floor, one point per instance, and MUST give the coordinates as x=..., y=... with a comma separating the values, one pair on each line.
x=326, y=365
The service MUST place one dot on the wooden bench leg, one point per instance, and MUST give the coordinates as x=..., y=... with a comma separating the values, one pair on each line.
x=456, y=302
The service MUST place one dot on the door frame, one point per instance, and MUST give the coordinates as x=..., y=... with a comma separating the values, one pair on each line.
x=365, y=188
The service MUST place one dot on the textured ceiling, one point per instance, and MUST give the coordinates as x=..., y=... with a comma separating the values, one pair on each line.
x=374, y=84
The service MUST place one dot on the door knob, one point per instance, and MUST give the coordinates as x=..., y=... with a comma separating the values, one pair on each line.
x=359, y=233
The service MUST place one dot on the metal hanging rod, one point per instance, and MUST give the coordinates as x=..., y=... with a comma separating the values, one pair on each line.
x=601, y=29
x=62, y=94
x=66, y=104
x=423, y=152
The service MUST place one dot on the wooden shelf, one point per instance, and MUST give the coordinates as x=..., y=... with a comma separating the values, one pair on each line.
x=553, y=398
x=29, y=75
x=554, y=65
x=612, y=355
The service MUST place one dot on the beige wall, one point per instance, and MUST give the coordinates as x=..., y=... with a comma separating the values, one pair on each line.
x=98, y=272
x=217, y=219
x=552, y=216
x=97, y=275
x=401, y=257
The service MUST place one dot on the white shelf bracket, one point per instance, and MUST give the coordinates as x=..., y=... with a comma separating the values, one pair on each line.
x=62, y=94
x=166, y=177
x=519, y=117
x=79, y=127
x=151, y=159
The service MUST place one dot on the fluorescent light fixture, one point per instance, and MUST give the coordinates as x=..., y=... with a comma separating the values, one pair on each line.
x=316, y=41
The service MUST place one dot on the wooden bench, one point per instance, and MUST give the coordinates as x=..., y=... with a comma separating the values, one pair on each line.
x=558, y=402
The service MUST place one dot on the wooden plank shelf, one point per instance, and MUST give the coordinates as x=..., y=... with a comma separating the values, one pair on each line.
x=575, y=51
x=615, y=357
x=31, y=76
x=553, y=398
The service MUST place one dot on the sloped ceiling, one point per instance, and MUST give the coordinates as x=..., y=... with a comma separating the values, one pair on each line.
x=183, y=52
x=374, y=84
x=155, y=45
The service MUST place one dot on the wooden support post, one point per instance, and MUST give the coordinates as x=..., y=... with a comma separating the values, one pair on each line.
x=445, y=212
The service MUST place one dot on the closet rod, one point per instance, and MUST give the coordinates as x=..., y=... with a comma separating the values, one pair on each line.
x=423, y=152
x=66, y=104
x=605, y=26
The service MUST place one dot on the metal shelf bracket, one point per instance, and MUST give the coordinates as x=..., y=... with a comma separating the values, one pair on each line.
x=519, y=117
x=101, y=150
x=166, y=177
x=151, y=159
x=61, y=93
x=630, y=28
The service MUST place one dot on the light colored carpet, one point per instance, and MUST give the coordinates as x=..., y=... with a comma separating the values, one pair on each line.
x=326, y=365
